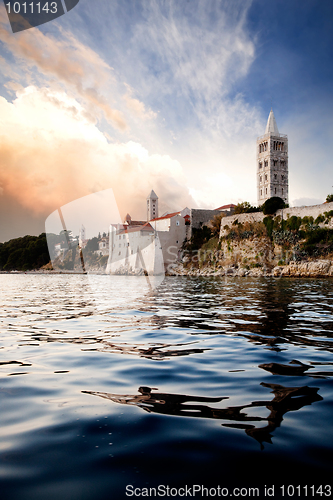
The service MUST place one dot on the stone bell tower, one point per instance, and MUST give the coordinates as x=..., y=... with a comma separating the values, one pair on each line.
x=152, y=206
x=272, y=163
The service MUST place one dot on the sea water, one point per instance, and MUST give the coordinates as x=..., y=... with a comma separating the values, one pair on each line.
x=199, y=387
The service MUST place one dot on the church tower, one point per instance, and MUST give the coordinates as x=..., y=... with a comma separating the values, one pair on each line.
x=272, y=163
x=152, y=206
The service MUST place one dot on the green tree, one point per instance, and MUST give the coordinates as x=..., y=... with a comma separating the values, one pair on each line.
x=272, y=205
x=245, y=208
x=91, y=245
x=21, y=254
x=329, y=198
x=215, y=224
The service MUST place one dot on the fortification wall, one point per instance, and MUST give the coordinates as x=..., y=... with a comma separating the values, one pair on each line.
x=311, y=211
x=201, y=217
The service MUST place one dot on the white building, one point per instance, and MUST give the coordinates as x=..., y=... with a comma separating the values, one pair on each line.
x=133, y=250
x=172, y=229
x=149, y=246
x=272, y=163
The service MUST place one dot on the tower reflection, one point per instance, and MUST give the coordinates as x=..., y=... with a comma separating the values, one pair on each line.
x=285, y=399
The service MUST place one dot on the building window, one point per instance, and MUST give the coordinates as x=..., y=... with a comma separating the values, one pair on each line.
x=265, y=177
x=282, y=191
x=177, y=222
x=260, y=192
x=261, y=178
x=275, y=191
x=260, y=164
x=275, y=176
x=266, y=163
x=282, y=177
x=266, y=190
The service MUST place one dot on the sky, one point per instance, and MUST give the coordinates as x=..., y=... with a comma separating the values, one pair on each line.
x=169, y=95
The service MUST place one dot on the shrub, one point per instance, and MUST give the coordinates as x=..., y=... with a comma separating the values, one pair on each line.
x=272, y=205
x=215, y=224
x=329, y=198
x=269, y=223
x=293, y=223
x=320, y=219
x=245, y=208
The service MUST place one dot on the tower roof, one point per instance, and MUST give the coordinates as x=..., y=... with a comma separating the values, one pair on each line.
x=271, y=127
x=152, y=194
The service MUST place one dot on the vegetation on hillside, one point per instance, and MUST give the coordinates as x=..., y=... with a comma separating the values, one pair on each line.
x=23, y=254
x=303, y=236
x=329, y=198
x=293, y=238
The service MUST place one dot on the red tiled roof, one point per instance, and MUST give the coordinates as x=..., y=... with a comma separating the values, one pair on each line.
x=165, y=216
x=224, y=207
x=131, y=229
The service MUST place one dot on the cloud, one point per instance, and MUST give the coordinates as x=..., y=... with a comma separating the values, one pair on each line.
x=137, y=106
x=51, y=153
x=68, y=61
x=192, y=52
x=171, y=90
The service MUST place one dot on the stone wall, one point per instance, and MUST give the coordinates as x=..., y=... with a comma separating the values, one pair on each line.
x=201, y=217
x=311, y=211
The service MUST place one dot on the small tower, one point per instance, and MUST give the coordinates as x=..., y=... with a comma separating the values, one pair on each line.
x=152, y=206
x=272, y=163
x=82, y=236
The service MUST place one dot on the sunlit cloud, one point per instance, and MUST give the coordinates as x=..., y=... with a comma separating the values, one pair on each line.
x=52, y=153
x=68, y=61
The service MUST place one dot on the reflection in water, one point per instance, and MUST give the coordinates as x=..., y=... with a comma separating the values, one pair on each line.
x=296, y=369
x=150, y=351
x=215, y=344
x=159, y=351
x=269, y=312
x=285, y=399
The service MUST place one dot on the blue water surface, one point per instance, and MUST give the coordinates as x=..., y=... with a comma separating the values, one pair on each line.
x=108, y=385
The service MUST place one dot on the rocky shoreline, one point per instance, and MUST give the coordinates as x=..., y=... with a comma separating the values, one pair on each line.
x=302, y=269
